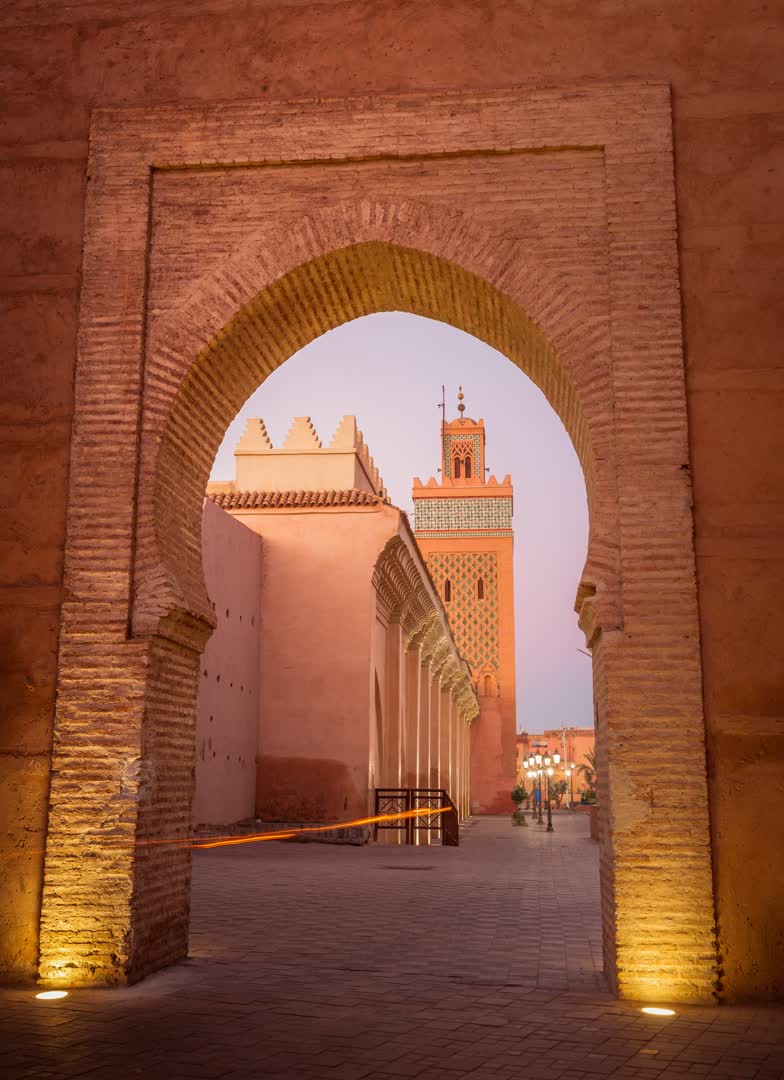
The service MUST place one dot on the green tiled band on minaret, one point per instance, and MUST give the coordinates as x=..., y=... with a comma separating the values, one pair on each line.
x=462, y=514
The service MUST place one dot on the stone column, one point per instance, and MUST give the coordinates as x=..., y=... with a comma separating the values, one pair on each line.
x=463, y=770
x=454, y=756
x=413, y=666
x=393, y=705
x=445, y=751
x=459, y=759
x=423, y=764
x=467, y=779
x=434, y=775
x=425, y=724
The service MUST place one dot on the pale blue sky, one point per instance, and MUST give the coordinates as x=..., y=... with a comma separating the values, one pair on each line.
x=387, y=370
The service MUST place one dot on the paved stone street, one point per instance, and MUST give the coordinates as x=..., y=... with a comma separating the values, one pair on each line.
x=380, y=962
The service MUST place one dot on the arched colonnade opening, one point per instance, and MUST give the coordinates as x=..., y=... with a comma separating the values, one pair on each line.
x=204, y=358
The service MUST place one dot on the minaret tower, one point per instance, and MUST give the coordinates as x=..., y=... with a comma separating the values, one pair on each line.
x=463, y=526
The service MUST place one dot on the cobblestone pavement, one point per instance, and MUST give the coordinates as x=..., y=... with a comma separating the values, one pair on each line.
x=377, y=963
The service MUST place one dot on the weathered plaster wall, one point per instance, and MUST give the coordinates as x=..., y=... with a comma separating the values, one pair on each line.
x=328, y=470
x=316, y=704
x=724, y=65
x=228, y=704
x=303, y=721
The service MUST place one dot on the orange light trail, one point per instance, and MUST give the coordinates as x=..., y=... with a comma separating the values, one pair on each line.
x=209, y=842
x=228, y=841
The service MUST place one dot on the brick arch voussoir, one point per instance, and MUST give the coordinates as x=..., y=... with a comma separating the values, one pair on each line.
x=207, y=355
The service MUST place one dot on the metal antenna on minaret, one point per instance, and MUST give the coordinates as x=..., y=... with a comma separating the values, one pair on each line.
x=442, y=406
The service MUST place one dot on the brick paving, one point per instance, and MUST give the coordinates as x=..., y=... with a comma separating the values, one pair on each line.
x=380, y=962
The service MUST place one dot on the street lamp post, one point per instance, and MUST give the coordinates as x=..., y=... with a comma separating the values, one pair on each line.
x=541, y=768
x=534, y=765
x=532, y=776
x=569, y=770
x=549, y=761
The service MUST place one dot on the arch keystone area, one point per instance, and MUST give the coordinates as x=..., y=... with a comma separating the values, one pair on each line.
x=157, y=388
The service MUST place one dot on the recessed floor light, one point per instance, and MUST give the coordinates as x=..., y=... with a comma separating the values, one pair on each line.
x=52, y=995
x=654, y=1010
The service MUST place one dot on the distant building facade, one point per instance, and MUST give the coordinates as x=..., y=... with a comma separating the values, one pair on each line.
x=463, y=526
x=572, y=743
x=361, y=684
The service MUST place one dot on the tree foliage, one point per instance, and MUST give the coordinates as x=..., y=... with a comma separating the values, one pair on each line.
x=588, y=770
x=520, y=793
x=558, y=789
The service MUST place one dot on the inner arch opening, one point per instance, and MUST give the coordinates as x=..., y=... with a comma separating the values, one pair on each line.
x=326, y=292
x=387, y=370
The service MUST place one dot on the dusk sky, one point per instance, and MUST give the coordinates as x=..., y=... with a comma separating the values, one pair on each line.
x=387, y=370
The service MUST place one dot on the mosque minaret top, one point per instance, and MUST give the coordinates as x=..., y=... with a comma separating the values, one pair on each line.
x=463, y=459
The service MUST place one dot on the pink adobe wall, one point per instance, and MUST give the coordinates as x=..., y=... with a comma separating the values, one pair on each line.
x=289, y=470
x=228, y=703
x=579, y=743
x=317, y=690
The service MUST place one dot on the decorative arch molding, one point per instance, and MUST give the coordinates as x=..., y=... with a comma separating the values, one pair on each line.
x=150, y=405
x=281, y=290
x=409, y=598
x=486, y=684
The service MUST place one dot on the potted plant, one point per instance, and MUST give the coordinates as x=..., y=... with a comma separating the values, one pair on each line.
x=519, y=796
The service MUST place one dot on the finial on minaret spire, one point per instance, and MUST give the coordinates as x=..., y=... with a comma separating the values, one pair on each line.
x=461, y=406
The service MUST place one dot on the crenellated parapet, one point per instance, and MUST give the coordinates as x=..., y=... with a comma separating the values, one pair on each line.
x=407, y=596
x=302, y=462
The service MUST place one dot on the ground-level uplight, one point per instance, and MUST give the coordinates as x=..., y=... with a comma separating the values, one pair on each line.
x=655, y=1010
x=52, y=995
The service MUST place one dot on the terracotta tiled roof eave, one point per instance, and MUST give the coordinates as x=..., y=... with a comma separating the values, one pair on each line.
x=284, y=500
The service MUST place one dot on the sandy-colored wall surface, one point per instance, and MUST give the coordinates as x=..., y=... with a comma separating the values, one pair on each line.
x=724, y=64
x=326, y=470
x=228, y=704
x=316, y=703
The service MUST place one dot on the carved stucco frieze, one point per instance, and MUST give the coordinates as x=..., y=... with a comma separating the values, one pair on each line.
x=405, y=594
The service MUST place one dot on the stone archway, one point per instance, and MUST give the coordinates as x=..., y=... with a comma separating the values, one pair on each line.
x=137, y=614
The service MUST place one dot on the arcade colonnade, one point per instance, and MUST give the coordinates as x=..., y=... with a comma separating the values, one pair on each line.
x=426, y=701
x=429, y=745
x=220, y=240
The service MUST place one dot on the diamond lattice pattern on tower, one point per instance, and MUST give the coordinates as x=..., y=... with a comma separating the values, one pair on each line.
x=474, y=622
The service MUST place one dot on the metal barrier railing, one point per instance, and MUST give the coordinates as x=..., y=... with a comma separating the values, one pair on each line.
x=443, y=822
